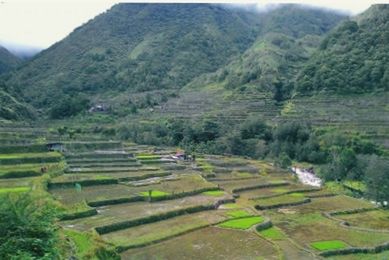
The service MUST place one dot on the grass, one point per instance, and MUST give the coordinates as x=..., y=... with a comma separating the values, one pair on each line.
x=244, y=174
x=376, y=219
x=272, y=233
x=24, y=167
x=162, y=229
x=280, y=190
x=25, y=170
x=29, y=155
x=204, y=165
x=130, y=211
x=14, y=190
x=185, y=183
x=356, y=185
x=328, y=245
x=16, y=182
x=207, y=243
x=88, y=246
x=148, y=157
x=288, y=198
x=309, y=225
x=242, y=223
x=231, y=206
x=216, y=193
x=238, y=213
x=334, y=203
x=82, y=240
x=154, y=193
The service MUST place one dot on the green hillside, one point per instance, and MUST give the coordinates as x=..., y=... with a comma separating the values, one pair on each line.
x=264, y=74
x=352, y=58
x=200, y=131
x=344, y=85
x=137, y=47
x=8, y=61
x=12, y=107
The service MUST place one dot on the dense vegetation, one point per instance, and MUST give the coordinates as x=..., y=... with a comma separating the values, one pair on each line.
x=11, y=108
x=27, y=229
x=286, y=39
x=8, y=61
x=253, y=138
x=342, y=157
x=142, y=55
x=353, y=58
x=166, y=48
x=136, y=47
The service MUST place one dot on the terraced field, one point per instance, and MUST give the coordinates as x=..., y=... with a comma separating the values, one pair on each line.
x=23, y=162
x=366, y=114
x=147, y=205
x=213, y=100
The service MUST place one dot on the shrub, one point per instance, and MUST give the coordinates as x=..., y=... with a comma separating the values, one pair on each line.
x=67, y=107
x=27, y=228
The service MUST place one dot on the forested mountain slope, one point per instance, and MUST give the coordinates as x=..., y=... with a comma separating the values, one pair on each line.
x=137, y=47
x=266, y=71
x=353, y=58
x=8, y=61
x=12, y=108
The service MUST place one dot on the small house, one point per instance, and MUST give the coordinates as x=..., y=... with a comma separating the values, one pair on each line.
x=58, y=147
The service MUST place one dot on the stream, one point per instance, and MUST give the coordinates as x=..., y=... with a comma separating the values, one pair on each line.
x=307, y=177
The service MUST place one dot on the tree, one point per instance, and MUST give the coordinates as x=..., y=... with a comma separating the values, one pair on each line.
x=377, y=179
x=254, y=127
x=284, y=161
x=343, y=164
x=278, y=93
x=27, y=229
x=67, y=107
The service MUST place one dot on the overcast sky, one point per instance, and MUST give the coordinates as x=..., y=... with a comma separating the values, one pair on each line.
x=41, y=23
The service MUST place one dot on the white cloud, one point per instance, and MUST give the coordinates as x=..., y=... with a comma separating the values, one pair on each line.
x=347, y=6
x=41, y=23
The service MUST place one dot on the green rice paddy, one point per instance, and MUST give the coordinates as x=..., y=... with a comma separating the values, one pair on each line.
x=231, y=206
x=154, y=193
x=272, y=233
x=14, y=190
x=242, y=223
x=238, y=213
x=29, y=155
x=229, y=226
x=216, y=193
x=328, y=245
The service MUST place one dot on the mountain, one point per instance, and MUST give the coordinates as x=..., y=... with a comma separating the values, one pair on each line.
x=353, y=58
x=137, y=47
x=23, y=52
x=12, y=108
x=8, y=61
x=288, y=37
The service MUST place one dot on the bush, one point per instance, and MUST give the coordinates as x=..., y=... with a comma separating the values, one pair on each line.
x=67, y=107
x=284, y=161
x=33, y=148
x=27, y=228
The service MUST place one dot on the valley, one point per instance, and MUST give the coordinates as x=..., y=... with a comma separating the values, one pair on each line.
x=137, y=201
x=199, y=131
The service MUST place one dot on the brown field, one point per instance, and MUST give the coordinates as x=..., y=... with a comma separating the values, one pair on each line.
x=128, y=211
x=208, y=243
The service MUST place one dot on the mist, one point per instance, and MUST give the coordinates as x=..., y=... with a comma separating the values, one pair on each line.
x=22, y=51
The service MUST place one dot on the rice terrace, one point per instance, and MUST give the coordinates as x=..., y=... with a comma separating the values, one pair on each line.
x=199, y=131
